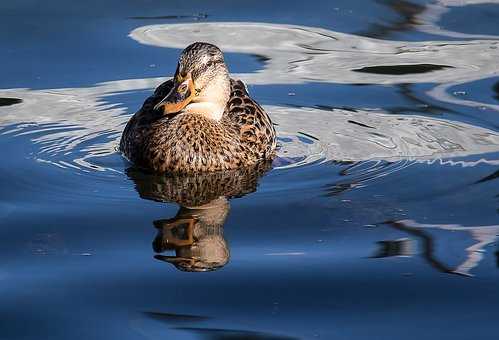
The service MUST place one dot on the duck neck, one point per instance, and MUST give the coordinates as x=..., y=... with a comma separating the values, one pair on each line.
x=213, y=98
x=207, y=109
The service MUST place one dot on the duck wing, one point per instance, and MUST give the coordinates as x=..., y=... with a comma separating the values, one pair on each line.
x=250, y=120
x=139, y=125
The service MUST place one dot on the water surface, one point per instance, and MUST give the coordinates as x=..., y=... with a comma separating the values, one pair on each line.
x=378, y=219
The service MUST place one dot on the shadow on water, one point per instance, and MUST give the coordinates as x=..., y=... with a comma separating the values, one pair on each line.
x=197, y=16
x=402, y=69
x=408, y=12
x=232, y=334
x=9, y=101
x=417, y=104
x=195, y=233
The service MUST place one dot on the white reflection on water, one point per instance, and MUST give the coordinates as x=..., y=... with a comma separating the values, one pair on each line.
x=85, y=123
x=84, y=115
x=433, y=12
x=298, y=54
x=483, y=235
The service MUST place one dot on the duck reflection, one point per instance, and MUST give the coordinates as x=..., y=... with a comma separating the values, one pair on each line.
x=195, y=233
x=196, y=236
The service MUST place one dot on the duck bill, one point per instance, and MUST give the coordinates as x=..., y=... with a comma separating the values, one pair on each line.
x=176, y=101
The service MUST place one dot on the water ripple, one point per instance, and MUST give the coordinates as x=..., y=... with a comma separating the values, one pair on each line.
x=78, y=129
x=80, y=138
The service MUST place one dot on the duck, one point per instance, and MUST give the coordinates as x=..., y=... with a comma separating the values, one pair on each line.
x=201, y=120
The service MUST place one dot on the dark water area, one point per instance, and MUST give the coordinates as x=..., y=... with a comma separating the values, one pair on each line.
x=378, y=219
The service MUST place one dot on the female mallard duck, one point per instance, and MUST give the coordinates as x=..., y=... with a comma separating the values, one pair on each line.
x=201, y=120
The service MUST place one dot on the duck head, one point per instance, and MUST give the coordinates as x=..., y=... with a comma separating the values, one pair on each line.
x=201, y=83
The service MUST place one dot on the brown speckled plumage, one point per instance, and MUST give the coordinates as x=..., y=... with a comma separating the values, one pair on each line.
x=187, y=142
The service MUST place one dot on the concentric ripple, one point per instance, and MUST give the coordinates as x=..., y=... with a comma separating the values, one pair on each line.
x=77, y=130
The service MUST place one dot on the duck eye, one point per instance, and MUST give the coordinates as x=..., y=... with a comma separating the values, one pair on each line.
x=182, y=88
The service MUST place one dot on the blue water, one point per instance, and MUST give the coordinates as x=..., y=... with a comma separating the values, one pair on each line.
x=379, y=219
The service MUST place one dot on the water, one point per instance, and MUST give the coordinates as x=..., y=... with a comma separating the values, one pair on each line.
x=378, y=220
